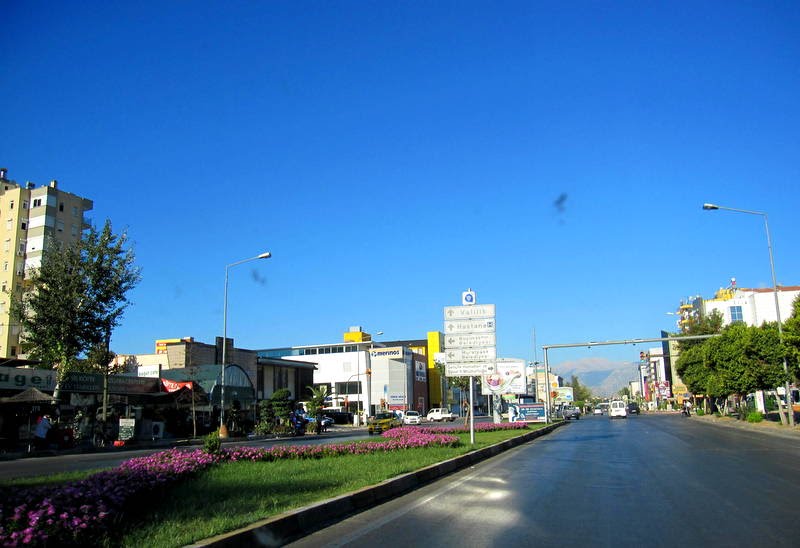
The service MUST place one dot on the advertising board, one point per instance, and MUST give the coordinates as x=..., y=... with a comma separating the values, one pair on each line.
x=508, y=377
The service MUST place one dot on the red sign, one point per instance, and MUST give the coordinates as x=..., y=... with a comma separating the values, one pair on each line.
x=174, y=386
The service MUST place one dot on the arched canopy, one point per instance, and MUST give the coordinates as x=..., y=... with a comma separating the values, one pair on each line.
x=238, y=386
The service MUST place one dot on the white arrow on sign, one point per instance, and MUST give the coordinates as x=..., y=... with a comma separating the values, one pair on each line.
x=464, y=312
x=469, y=326
x=470, y=341
x=471, y=354
x=467, y=369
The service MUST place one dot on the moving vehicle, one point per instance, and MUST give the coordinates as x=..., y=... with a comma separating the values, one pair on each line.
x=617, y=409
x=440, y=414
x=570, y=412
x=412, y=417
x=633, y=408
x=382, y=422
x=597, y=411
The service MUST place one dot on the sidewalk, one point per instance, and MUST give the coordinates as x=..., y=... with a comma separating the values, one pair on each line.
x=766, y=426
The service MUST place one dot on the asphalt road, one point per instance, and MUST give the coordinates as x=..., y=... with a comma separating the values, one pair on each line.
x=652, y=480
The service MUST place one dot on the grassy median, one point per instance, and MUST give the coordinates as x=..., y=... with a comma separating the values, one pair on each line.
x=234, y=495
x=174, y=497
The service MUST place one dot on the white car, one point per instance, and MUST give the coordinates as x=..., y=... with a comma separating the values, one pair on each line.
x=412, y=417
x=617, y=409
x=440, y=414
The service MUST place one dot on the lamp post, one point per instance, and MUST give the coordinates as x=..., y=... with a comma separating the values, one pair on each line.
x=711, y=207
x=265, y=255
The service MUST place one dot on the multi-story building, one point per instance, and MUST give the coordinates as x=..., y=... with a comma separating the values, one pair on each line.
x=735, y=304
x=32, y=218
x=738, y=304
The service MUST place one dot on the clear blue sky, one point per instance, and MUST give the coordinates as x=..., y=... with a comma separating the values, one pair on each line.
x=392, y=154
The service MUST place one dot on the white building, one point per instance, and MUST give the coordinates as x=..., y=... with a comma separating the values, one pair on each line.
x=751, y=306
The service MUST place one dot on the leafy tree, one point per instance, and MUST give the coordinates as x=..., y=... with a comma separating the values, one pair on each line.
x=274, y=411
x=709, y=324
x=74, y=300
x=316, y=404
x=745, y=359
x=580, y=393
x=791, y=337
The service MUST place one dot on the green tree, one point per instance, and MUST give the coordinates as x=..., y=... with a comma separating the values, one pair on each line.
x=745, y=359
x=791, y=337
x=580, y=393
x=75, y=299
x=316, y=403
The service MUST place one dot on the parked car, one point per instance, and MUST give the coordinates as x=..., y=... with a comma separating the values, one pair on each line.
x=570, y=412
x=382, y=422
x=633, y=408
x=440, y=414
x=617, y=409
x=412, y=417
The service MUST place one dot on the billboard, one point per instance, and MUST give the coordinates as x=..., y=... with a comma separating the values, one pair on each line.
x=508, y=378
x=563, y=394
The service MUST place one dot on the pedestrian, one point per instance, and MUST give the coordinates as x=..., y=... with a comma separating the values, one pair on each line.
x=40, y=434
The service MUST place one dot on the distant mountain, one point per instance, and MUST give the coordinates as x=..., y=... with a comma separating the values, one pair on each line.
x=603, y=377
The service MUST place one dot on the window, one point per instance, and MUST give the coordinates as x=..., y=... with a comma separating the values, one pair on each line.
x=9, y=223
x=736, y=314
x=5, y=266
x=7, y=245
x=74, y=230
x=11, y=205
x=74, y=211
x=22, y=247
x=37, y=202
x=24, y=225
x=24, y=204
x=61, y=206
x=280, y=378
x=60, y=226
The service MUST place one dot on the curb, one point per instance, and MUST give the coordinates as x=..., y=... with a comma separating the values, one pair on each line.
x=283, y=528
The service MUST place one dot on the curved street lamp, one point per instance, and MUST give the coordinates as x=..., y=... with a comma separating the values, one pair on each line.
x=711, y=207
x=265, y=255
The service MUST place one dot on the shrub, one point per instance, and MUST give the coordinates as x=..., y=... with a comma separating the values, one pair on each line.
x=212, y=444
x=700, y=412
x=755, y=416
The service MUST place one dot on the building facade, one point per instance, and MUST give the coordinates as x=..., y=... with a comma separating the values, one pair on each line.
x=33, y=218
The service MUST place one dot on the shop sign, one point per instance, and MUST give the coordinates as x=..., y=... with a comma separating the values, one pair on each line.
x=17, y=378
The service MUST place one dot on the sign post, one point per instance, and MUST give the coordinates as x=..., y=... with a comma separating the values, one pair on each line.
x=470, y=344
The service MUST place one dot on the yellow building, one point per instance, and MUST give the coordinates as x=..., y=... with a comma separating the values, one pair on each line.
x=31, y=218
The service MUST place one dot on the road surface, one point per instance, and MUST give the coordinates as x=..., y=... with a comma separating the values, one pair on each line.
x=651, y=480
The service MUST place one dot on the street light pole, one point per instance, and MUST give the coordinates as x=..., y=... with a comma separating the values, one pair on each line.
x=265, y=255
x=711, y=207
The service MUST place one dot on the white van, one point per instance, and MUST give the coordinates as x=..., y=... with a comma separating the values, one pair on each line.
x=617, y=409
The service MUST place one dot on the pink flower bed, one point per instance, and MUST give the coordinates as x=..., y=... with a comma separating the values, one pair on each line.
x=79, y=512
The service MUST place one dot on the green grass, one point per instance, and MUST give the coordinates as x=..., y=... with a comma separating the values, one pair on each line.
x=235, y=495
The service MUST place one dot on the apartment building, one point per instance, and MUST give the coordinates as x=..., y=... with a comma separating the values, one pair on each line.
x=31, y=219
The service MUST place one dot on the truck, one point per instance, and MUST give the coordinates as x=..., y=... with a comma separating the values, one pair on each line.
x=438, y=414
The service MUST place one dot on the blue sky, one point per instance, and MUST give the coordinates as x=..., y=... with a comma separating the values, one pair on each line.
x=392, y=154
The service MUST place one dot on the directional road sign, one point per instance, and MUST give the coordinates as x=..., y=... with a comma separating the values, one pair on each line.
x=467, y=369
x=470, y=341
x=469, y=326
x=465, y=312
x=470, y=354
